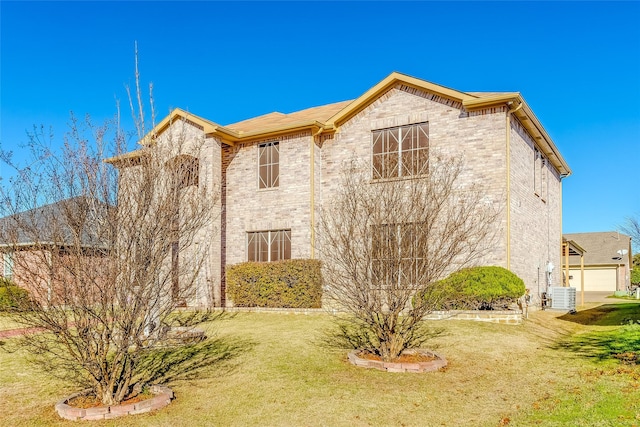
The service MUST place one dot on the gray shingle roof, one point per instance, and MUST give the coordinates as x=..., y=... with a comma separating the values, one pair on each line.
x=55, y=224
x=601, y=247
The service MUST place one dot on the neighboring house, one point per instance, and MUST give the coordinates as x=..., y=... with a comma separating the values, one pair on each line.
x=607, y=261
x=37, y=247
x=277, y=171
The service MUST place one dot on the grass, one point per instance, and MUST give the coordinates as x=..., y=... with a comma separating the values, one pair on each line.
x=7, y=323
x=269, y=369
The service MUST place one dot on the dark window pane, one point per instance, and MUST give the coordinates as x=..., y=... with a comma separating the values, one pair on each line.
x=393, y=136
x=287, y=244
x=268, y=165
x=275, y=245
x=377, y=142
x=264, y=176
x=275, y=175
x=400, y=151
x=252, y=247
x=264, y=246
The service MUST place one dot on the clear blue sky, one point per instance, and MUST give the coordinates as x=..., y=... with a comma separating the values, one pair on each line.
x=576, y=63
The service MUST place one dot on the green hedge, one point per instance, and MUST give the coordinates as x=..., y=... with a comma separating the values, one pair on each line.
x=476, y=288
x=12, y=296
x=635, y=276
x=295, y=283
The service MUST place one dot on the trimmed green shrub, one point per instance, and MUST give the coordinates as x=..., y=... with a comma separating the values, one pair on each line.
x=295, y=283
x=635, y=276
x=476, y=288
x=12, y=296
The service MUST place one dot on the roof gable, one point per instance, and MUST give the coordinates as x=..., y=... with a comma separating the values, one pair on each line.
x=328, y=118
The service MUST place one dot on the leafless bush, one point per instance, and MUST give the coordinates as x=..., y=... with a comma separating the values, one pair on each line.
x=383, y=242
x=107, y=252
x=631, y=227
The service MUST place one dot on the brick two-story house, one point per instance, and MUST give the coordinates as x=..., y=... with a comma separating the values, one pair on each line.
x=276, y=171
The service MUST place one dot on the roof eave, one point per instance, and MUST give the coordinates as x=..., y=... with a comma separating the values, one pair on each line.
x=207, y=126
x=122, y=159
x=383, y=86
x=529, y=120
x=312, y=125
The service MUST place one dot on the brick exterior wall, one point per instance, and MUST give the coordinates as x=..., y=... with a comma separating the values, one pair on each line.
x=535, y=222
x=186, y=137
x=479, y=138
x=287, y=206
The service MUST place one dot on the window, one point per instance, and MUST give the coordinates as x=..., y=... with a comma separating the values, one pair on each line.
x=400, y=151
x=268, y=165
x=8, y=265
x=398, y=253
x=185, y=170
x=264, y=246
x=543, y=179
x=540, y=175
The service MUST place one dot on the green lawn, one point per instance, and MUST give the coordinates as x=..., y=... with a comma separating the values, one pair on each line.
x=269, y=369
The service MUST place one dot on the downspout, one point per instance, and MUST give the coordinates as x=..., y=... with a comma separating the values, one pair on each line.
x=510, y=111
x=562, y=176
x=312, y=196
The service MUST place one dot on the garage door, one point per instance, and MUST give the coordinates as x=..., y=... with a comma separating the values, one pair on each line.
x=595, y=280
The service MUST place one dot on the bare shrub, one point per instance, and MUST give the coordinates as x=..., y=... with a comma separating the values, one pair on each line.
x=382, y=242
x=107, y=252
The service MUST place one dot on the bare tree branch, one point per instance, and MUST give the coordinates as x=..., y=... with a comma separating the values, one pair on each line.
x=385, y=241
x=107, y=253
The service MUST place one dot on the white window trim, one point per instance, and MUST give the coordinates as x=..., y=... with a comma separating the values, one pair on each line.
x=269, y=242
x=399, y=152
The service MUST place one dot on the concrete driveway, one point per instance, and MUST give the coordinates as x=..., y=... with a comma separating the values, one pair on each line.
x=602, y=297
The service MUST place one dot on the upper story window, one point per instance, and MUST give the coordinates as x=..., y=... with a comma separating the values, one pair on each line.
x=401, y=151
x=185, y=170
x=268, y=165
x=265, y=246
x=540, y=175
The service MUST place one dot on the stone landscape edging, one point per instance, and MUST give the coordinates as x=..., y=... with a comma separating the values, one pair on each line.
x=509, y=317
x=413, y=367
x=162, y=397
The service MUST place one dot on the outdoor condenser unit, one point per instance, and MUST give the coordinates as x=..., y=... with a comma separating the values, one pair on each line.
x=563, y=298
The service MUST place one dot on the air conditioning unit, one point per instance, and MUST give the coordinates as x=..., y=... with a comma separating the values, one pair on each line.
x=563, y=298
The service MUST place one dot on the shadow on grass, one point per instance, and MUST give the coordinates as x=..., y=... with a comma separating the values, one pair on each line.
x=606, y=315
x=213, y=356
x=350, y=334
x=622, y=344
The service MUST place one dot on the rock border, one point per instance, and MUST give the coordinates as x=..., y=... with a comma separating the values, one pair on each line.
x=163, y=396
x=413, y=367
x=508, y=317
